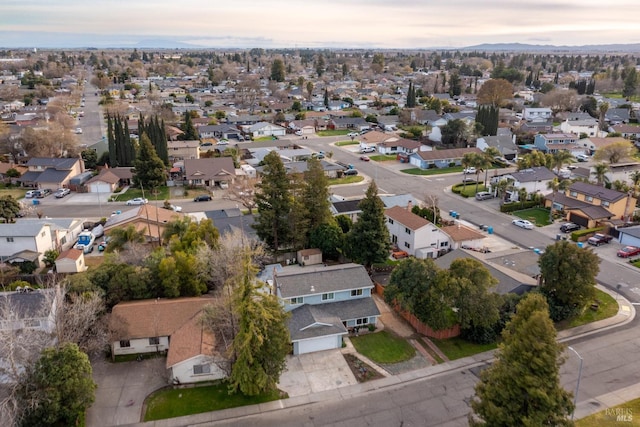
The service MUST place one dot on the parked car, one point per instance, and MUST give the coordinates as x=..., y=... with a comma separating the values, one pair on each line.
x=568, y=227
x=350, y=172
x=223, y=184
x=353, y=134
x=365, y=158
x=483, y=195
x=469, y=170
x=61, y=192
x=523, y=223
x=202, y=198
x=78, y=130
x=30, y=194
x=628, y=251
x=137, y=201
x=222, y=142
x=367, y=149
x=399, y=254
x=599, y=239
x=43, y=192
x=582, y=157
x=298, y=133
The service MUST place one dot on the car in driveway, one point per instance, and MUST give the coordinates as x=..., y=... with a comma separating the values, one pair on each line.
x=61, y=192
x=628, y=251
x=137, y=201
x=469, y=170
x=484, y=195
x=599, y=239
x=350, y=172
x=202, y=198
x=569, y=227
x=222, y=142
x=523, y=223
x=30, y=194
x=44, y=192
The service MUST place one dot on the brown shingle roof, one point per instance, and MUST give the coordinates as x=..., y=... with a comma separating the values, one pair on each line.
x=189, y=340
x=106, y=175
x=156, y=317
x=460, y=233
x=73, y=254
x=406, y=218
x=452, y=153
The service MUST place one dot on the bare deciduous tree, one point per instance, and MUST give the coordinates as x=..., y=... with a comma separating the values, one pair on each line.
x=243, y=192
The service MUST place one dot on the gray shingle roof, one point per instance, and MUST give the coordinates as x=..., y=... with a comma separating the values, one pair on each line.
x=53, y=175
x=312, y=321
x=27, y=305
x=21, y=229
x=538, y=173
x=319, y=280
x=52, y=162
x=597, y=191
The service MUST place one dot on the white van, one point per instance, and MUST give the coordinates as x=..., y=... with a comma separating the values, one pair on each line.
x=582, y=157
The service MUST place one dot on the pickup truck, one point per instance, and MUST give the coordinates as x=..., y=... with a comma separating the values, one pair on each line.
x=599, y=239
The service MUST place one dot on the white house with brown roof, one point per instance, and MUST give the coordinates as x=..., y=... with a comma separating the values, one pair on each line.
x=171, y=326
x=414, y=234
x=149, y=219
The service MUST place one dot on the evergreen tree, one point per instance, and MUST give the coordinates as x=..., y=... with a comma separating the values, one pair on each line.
x=368, y=240
x=113, y=150
x=315, y=196
x=273, y=201
x=190, y=132
x=149, y=170
x=262, y=341
x=326, y=98
x=522, y=387
x=277, y=70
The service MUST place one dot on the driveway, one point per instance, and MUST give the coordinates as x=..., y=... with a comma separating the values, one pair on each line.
x=122, y=388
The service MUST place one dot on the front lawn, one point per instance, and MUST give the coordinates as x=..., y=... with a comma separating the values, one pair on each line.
x=538, y=216
x=169, y=402
x=343, y=143
x=346, y=180
x=457, y=348
x=332, y=132
x=433, y=171
x=383, y=157
x=607, y=307
x=469, y=190
x=609, y=416
x=132, y=193
x=383, y=347
x=16, y=193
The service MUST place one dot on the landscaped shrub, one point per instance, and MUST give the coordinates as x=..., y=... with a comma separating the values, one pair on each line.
x=575, y=236
x=517, y=206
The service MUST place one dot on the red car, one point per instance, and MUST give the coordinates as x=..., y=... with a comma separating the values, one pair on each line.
x=628, y=251
x=364, y=158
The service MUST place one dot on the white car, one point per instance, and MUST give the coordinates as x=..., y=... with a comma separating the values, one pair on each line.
x=523, y=223
x=353, y=134
x=222, y=142
x=137, y=201
x=469, y=170
x=78, y=130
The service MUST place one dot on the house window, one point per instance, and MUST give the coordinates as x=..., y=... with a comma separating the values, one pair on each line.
x=297, y=300
x=356, y=292
x=328, y=296
x=394, y=238
x=125, y=344
x=201, y=369
x=362, y=321
x=390, y=221
x=406, y=230
x=589, y=199
x=43, y=234
x=154, y=341
x=444, y=244
x=63, y=240
x=573, y=194
x=9, y=239
x=606, y=204
x=407, y=245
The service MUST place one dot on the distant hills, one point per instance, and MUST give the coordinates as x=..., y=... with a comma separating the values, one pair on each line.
x=522, y=47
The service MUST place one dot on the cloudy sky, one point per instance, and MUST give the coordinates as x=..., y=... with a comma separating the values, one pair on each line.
x=320, y=23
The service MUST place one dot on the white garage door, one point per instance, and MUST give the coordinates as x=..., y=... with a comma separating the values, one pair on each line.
x=317, y=344
x=100, y=187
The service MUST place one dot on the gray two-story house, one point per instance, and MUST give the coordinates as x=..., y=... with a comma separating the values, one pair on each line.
x=325, y=303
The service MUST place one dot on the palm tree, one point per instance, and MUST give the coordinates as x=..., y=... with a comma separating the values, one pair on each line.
x=467, y=161
x=503, y=186
x=522, y=195
x=490, y=153
x=481, y=163
x=635, y=178
x=560, y=158
x=600, y=172
x=556, y=185
x=121, y=237
x=602, y=110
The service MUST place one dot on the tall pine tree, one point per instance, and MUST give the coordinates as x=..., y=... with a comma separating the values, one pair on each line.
x=149, y=170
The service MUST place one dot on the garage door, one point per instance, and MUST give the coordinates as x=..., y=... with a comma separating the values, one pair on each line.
x=317, y=344
x=580, y=220
x=100, y=187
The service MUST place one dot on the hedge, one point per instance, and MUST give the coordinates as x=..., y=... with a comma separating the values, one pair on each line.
x=516, y=206
x=580, y=233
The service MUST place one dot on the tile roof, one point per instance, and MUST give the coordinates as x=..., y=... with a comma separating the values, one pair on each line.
x=319, y=280
x=406, y=217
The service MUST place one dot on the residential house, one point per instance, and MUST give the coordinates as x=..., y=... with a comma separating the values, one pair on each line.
x=533, y=128
x=629, y=236
x=533, y=180
x=627, y=131
x=505, y=144
x=306, y=126
x=171, y=326
x=311, y=256
x=149, y=219
x=463, y=237
x=468, y=117
x=229, y=220
x=398, y=146
x=591, y=145
x=262, y=129
x=617, y=116
x=71, y=261
x=552, y=142
x=207, y=172
x=222, y=131
x=325, y=302
x=357, y=124
x=351, y=209
x=537, y=114
x=105, y=182
x=414, y=234
x=587, y=127
x=427, y=117
x=589, y=204
x=29, y=308
x=5, y=167
x=33, y=237
x=182, y=150
x=51, y=172
x=440, y=158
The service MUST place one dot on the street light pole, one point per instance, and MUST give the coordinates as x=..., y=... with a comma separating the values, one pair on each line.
x=575, y=396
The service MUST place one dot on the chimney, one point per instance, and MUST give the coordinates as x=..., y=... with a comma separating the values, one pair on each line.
x=409, y=206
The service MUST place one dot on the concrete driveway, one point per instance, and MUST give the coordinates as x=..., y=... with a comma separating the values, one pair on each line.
x=316, y=372
x=122, y=388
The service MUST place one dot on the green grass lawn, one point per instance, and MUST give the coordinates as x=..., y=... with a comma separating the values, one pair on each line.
x=434, y=171
x=470, y=189
x=169, y=403
x=346, y=180
x=618, y=95
x=132, y=193
x=607, y=307
x=608, y=417
x=332, y=132
x=343, y=143
x=383, y=157
x=457, y=348
x=265, y=138
x=538, y=216
x=383, y=347
x=16, y=193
